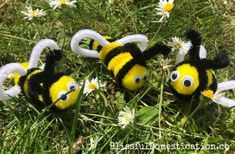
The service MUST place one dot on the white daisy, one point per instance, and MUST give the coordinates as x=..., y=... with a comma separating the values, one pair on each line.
x=125, y=117
x=92, y=85
x=30, y=13
x=164, y=8
x=215, y=97
x=58, y=3
x=218, y=97
x=178, y=44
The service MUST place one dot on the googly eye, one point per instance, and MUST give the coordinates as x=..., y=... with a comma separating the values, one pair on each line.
x=137, y=79
x=187, y=81
x=174, y=76
x=145, y=77
x=63, y=96
x=72, y=86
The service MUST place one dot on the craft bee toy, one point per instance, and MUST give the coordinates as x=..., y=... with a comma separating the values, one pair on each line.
x=42, y=86
x=195, y=76
x=123, y=57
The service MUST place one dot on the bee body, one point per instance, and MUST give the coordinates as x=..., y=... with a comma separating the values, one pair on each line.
x=118, y=59
x=124, y=58
x=41, y=85
x=45, y=87
x=190, y=80
x=192, y=77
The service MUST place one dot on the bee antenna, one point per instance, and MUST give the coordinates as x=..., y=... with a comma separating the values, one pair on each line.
x=195, y=38
x=51, y=60
x=156, y=49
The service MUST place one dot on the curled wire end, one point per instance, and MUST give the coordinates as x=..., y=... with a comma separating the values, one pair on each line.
x=5, y=71
x=87, y=33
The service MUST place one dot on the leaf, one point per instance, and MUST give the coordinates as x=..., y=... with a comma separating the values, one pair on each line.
x=147, y=115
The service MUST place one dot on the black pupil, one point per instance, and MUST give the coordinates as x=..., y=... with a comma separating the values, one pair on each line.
x=174, y=76
x=137, y=80
x=63, y=97
x=145, y=77
x=187, y=83
x=72, y=87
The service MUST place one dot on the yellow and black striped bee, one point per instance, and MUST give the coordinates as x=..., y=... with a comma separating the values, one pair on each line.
x=191, y=77
x=125, y=60
x=128, y=63
x=47, y=87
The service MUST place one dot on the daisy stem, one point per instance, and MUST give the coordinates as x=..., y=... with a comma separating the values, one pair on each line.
x=97, y=115
x=160, y=106
x=155, y=35
x=194, y=112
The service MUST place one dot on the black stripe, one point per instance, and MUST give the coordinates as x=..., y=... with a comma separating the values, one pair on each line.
x=91, y=44
x=23, y=79
x=213, y=86
x=130, y=48
x=99, y=47
x=124, y=70
x=114, y=52
x=21, y=84
x=111, y=39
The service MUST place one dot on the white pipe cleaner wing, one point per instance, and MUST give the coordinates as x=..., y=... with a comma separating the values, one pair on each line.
x=141, y=41
x=5, y=71
x=219, y=99
x=87, y=33
x=38, y=49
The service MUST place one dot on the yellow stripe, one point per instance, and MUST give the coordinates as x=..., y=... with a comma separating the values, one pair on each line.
x=16, y=76
x=105, y=50
x=116, y=60
x=121, y=63
x=210, y=75
x=107, y=37
x=96, y=44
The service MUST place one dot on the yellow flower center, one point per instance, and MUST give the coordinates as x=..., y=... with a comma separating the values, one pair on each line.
x=178, y=45
x=126, y=119
x=92, y=86
x=208, y=94
x=33, y=13
x=168, y=7
x=63, y=1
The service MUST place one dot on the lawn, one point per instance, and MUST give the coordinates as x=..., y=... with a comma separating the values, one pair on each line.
x=160, y=123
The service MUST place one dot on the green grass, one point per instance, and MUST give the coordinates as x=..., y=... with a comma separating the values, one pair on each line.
x=23, y=129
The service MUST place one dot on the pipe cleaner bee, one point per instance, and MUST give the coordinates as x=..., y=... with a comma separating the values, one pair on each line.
x=122, y=57
x=42, y=86
x=192, y=77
